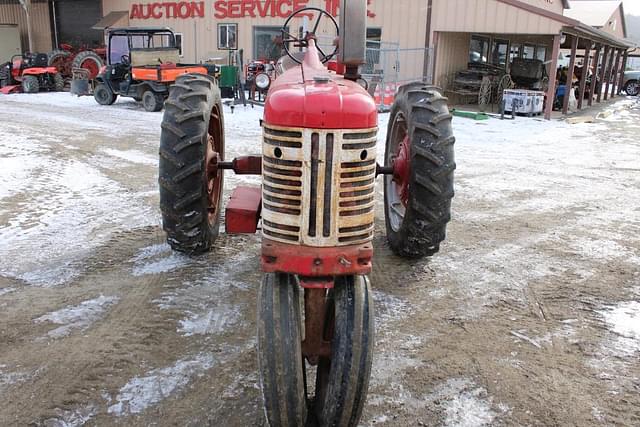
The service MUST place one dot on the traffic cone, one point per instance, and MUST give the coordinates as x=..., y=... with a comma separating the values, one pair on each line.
x=389, y=93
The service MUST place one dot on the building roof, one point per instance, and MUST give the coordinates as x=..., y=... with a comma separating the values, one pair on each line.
x=594, y=13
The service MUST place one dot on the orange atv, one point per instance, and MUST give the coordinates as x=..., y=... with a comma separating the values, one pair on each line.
x=31, y=72
x=141, y=64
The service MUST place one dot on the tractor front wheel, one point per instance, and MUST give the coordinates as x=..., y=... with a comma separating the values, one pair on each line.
x=341, y=379
x=30, y=84
x=58, y=82
x=152, y=101
x=104, y=95
x=280, y=351
x=418, y=195
x=191, y=146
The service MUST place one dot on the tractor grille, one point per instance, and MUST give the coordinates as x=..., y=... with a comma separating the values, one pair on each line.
x=318, y=186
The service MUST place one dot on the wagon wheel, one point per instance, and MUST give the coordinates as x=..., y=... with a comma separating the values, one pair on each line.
x=504, y=84
x=544, y=84
x=484, y=95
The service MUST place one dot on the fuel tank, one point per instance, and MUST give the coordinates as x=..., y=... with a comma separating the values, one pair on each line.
x=308, y=96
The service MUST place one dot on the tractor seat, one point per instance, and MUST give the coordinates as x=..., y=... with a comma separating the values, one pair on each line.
x=154, y=57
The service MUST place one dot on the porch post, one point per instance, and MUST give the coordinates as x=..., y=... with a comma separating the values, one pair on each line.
x=602, y=70
x=616, y=74
x=553, y=75
x=594, y=78
x=608, y=76
x=622, y=69
x=585, y=74
x=572, y=67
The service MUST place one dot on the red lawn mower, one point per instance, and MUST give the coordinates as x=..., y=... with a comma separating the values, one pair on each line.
x=31, y=73
x=316, y=206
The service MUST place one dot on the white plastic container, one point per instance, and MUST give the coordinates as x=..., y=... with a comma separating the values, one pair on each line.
x=526, y=101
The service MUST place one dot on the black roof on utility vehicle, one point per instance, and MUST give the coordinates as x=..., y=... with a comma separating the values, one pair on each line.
x=142, y=30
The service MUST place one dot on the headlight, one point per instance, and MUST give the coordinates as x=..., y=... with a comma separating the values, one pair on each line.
x=263, y=81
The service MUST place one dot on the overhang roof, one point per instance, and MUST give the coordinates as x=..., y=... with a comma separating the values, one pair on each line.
x=110, y=19
x=574, y=26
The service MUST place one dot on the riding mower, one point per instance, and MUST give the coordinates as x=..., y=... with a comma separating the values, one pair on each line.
x=31, y=73
x=316, y=207
x=141, y=64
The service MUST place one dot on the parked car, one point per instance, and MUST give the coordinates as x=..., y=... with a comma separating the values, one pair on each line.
x=631, y=83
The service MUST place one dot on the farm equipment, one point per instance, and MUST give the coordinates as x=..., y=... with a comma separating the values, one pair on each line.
x=67, y=58
x=316, y=206
x=31, y=73
x=141, y=64
x=259, y=76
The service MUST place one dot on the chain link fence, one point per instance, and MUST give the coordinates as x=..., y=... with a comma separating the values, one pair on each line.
x=388, y=67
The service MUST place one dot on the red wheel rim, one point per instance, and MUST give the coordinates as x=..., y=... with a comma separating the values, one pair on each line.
x=213, y=175
x=90, y=65
x=402, y=169
x=397, y=186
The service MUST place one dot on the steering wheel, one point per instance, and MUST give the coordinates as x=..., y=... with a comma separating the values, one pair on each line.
x=304, y=42
x=125, y=59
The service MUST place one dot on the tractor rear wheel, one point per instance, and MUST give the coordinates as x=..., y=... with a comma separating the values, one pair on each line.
x=280, y=351
x=418, y=194
x=104, y=95
x=30, y=84
x=191, y=145
x=58, y=82
x=60, y=59
x=152, y=101
x=90, y=61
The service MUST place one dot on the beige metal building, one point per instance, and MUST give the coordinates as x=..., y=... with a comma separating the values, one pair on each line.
x=213, y=27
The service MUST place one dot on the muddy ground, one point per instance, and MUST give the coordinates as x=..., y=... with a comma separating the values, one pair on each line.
x=529, y=315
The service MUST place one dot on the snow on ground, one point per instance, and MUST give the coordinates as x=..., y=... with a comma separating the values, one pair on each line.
x=624, y=320
x=158, y=259
x=71, y=418
x=145, y=391
x=79, y=317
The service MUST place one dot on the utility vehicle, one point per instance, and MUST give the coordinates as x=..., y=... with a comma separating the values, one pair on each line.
x=141, y=64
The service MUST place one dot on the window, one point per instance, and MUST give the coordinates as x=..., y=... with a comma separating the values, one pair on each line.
x=541, y=53
x=267, y=43
x=515, y=51
x=118, y=47
x=499, y=52
x=227, y=36
x=179, y=43
x=374, y=39
x=479, y=49
x=529, y=51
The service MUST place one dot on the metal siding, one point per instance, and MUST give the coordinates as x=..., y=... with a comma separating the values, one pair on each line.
x=402, y=21
x=492, y=16
x=41, y=25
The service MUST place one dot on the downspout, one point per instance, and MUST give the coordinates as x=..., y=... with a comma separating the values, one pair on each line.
x=55, y=24
x=427, y=44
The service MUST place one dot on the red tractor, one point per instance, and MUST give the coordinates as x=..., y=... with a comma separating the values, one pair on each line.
x=317, y=210
x=31, y=72
x=67, y=58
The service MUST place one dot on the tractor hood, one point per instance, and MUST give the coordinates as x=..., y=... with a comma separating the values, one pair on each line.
x=309, y=96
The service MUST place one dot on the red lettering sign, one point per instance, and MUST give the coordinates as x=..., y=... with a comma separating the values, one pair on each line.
x=229, y=9
x=257, y=8
x=181, y=10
